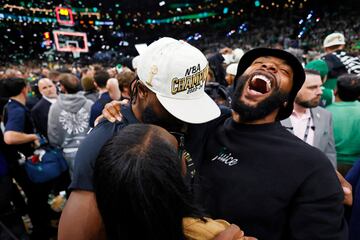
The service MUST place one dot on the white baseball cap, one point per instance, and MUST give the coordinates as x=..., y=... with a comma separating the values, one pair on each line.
x=232, y=69
x=234, y=56
x=334, y=39
x=238, y=53
x=176, y=72
x=135, y=62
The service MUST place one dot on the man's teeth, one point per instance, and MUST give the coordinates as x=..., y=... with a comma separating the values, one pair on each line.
x=264, y=78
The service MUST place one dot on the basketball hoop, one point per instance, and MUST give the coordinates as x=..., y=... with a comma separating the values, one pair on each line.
x=66, y=41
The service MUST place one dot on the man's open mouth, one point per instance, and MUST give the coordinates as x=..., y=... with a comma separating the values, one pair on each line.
x=260, y=83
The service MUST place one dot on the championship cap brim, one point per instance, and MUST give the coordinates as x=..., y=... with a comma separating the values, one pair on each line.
x=188, y=110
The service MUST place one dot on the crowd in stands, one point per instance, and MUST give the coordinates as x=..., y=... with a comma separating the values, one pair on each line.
x=282, y=28
x=58, y=104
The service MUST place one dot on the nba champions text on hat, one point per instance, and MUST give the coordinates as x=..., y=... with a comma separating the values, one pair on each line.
x=194, y=79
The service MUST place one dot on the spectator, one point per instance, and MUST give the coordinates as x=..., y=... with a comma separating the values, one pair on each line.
x=338, y=61
x=346, y=116
x=18, y=124
x=68, y=120
x=216, y=65
x=112, y=72
x=319, y=65
x=89, y=88
x=21, y=139
x=224, y=56
x=40, y=111
x=9, y=214
x=310, y=122
x=86, y=72
x=100, y=80
x=45, y=72
x=53, y=75
x=125, y=79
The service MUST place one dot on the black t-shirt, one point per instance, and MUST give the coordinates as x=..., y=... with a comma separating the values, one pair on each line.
x=39, y=114
x=17, y=118
x=90, y=148
x=271, y=184
x=98, y=106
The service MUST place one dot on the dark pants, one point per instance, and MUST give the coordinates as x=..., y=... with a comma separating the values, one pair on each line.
x=37, y=200
x=11, y=224
x=37, y=206
x=37, y=195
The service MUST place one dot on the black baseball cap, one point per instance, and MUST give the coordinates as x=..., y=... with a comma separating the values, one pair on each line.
x=298, y=73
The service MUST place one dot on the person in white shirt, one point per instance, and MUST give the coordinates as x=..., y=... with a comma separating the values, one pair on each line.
x=310, y=122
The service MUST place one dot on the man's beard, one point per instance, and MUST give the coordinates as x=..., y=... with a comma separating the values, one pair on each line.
x=53, y=96
x=169, y=122
x=262, y=109
x=307, y=104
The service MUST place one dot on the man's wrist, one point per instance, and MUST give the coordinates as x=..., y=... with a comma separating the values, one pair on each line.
x=34, y=137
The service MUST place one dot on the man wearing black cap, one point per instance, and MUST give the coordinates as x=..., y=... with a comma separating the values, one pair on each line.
x=258, y=175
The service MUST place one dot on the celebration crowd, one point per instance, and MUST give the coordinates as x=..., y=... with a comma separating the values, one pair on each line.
x=176, y=143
